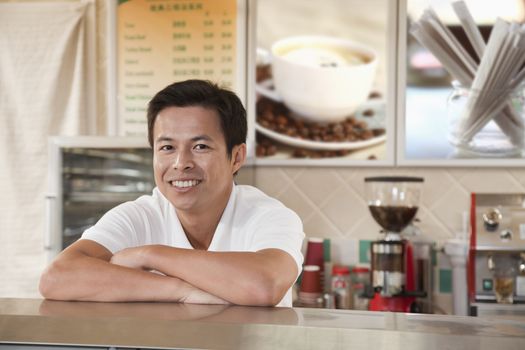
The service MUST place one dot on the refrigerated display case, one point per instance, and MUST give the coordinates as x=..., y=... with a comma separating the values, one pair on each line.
x=87, y=176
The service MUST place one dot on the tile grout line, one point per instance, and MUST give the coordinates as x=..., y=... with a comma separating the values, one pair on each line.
x=316, y=209
x=516, y=181
x=357, y=195
x=437, y=220
x=290, y=181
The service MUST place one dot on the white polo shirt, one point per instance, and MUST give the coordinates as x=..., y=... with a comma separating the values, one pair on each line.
x=251, y=221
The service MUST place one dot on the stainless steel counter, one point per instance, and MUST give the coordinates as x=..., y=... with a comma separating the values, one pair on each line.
x=501, y=311
x=169, y=325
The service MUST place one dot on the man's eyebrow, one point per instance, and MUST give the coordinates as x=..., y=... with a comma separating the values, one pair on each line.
x=194, y=139
x=202, y=138
x=164, y=138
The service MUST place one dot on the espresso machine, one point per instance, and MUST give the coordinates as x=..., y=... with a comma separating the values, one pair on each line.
x=393, y=202
x=496, y=263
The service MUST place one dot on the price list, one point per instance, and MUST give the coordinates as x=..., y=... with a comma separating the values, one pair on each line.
x=164, y=41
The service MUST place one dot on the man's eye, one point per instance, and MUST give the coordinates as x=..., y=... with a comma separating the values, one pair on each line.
x=201, y=146
x=166, y=148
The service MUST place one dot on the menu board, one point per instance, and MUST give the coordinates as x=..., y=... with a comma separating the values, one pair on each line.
x=163, y=41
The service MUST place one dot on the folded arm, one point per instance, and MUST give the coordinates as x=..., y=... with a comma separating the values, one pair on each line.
x=83, y=272
x=245, y=278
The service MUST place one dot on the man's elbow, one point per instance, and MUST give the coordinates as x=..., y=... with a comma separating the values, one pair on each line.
x=270, y=291
x=45, y=286
x=49, y=282
x=275, y=295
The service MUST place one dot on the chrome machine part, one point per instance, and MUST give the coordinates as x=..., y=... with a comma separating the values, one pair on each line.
x=388, y=267
x=497, y=243
x=492, y=218
x=390, y=282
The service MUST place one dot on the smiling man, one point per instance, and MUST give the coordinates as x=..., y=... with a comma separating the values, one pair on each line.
x=199, y=238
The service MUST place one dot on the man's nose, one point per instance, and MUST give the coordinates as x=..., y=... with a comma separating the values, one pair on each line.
x=183, y=160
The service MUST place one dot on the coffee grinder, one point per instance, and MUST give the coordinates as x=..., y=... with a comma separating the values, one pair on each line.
x=393, y=202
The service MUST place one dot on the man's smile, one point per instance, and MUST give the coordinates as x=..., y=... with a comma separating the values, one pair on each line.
x=184, y=183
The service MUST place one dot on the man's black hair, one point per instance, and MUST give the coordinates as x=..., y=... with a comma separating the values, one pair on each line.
x=206, y=94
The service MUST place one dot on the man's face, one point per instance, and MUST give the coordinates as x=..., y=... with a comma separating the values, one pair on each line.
x=191, y=165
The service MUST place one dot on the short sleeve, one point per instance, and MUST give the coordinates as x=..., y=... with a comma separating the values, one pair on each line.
x=279, y=228
x=117, y=229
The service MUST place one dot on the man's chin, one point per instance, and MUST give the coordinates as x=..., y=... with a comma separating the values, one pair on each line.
x=182, y=205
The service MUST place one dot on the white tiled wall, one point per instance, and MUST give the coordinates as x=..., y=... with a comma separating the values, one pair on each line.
x=331, y=201
x=332, y=205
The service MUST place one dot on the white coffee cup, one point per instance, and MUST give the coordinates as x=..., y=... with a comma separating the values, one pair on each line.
x=322, y=79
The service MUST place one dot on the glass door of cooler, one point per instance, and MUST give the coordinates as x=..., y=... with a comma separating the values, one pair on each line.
x=87, y=177
x=96, y=180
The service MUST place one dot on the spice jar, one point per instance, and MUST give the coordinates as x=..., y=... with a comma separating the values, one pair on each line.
x=341, y=287
x=487, y=123
x=360, y=281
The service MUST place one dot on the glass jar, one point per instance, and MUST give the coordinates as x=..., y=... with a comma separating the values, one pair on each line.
x=341, y=287
x=504, y=268
x=488, y=123
x=360, y=281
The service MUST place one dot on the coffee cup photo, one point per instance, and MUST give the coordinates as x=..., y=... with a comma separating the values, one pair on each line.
x=321, y=78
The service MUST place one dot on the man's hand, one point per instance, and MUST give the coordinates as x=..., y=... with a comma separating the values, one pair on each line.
x=135, y=258
x=130, y=257
x=194, y=295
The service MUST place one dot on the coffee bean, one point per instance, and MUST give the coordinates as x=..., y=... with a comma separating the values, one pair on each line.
x=299, y=153
x=378, y=132
x=368, y=113
x=282, y=120
x=271, y=150
x=260, y=151
x=367, y=134
x=269, y=116
x=277, y=117
x=374, y=94
x=305, y=133
x=263, y=72
x=361, y=124
x=299, y=124
x=337, y=128
x=350, y=120
x=291, y=132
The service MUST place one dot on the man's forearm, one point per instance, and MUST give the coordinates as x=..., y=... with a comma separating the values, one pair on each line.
x=92, y=279
x=86, y=278
x=249, y=278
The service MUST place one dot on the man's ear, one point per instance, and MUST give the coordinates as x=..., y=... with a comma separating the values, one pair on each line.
x=238, y=157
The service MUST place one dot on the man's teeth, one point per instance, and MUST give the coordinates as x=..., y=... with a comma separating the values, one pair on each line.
x=188, y=183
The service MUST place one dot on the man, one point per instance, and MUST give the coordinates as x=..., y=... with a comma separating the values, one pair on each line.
x=199, y=238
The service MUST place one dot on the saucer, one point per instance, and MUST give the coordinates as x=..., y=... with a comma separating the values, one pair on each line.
x=378, y=106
